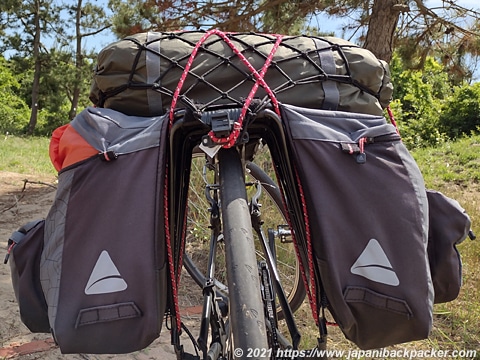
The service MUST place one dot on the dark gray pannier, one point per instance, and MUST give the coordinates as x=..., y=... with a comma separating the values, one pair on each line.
x=103, y=266
x=449, y=226
x=24, y=251
x=368, y=217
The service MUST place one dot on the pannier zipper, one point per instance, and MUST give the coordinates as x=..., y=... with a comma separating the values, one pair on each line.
x=358, y=149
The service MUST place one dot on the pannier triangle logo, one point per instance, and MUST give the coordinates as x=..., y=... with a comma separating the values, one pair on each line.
x=105, y=277
x=374, y=265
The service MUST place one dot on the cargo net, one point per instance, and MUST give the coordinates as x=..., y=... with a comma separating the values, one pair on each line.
x=313, y=72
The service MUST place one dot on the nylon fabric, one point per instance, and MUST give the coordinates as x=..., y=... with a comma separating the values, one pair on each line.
x=67, y=147
x=219, y=76
x=450, y=225
x=110, y=130
x=25, y=246
x=103, y=264
x=368, y=217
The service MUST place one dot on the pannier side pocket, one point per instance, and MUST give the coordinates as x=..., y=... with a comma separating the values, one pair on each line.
x=449, y=226
x=25, y=249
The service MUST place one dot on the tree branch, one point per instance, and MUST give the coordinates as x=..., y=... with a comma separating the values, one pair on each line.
x=23, y=193
x=429, y=12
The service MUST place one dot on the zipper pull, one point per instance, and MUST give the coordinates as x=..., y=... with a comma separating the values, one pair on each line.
x=361, y=156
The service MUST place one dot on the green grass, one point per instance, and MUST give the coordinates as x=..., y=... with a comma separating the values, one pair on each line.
x=453, y=168
x=453, y=163
x=26, y=155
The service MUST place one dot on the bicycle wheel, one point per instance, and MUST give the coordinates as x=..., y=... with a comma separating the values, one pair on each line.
x=273, y=214
x=246, y=311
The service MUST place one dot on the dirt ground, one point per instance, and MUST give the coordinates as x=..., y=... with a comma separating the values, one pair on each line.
x=24, y=198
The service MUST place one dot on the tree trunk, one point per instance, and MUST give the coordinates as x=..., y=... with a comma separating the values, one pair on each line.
x=78, y=62
x=37, y=71
x=382, y=25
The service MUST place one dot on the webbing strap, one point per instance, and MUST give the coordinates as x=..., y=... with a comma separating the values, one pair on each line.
x=327, y=62
x=152, y=62
x=380, y=301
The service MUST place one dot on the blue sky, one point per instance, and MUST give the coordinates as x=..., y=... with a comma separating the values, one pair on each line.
x=325, y=23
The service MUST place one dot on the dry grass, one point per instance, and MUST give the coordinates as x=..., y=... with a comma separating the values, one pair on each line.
x=453, y=169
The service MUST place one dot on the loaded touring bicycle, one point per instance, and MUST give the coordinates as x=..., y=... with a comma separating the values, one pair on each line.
x=167, y=160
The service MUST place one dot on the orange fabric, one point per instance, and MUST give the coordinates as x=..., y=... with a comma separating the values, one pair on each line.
x=67, y=147
x=54, y=145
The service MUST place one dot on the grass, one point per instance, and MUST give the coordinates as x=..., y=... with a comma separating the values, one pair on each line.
x=452, y=168
x=26, y=155
x=453, y=163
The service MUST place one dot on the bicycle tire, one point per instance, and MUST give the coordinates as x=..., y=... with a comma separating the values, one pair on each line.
x=246, y=308
x=297, y=293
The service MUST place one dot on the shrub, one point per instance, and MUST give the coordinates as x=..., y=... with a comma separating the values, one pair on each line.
x=461, y=113
x=419, y=97
x=14, y=112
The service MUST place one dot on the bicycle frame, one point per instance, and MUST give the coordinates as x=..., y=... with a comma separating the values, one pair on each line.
x=187, y=132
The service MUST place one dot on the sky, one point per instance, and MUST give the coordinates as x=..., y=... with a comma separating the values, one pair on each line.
x=325, y=23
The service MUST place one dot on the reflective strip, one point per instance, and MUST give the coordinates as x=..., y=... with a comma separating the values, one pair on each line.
x=327, y=62
x=152, y=62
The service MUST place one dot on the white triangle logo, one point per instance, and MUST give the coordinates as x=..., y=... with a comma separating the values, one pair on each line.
x=374, y=265
x=105, y=277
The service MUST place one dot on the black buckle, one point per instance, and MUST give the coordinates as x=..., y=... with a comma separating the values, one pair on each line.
x=222, y=123
x=108, y=156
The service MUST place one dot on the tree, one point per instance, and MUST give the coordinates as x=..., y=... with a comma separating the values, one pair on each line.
x=13, y=110
x=382, y=25
x=29, y=20
x=62, y=71
x=89, y=20
x=241, y=15
x=38, y=66
x=419, y=96
x=449, y=32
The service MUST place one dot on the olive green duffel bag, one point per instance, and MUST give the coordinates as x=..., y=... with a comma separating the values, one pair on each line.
x=139, y=74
